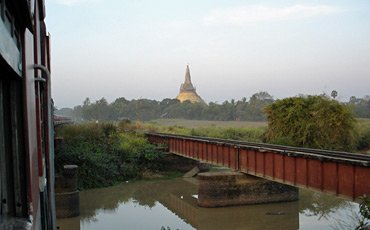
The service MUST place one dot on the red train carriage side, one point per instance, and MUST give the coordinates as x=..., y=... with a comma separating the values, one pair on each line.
x=26, y=118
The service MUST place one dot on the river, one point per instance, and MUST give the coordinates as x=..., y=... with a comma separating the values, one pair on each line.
x=163, y=204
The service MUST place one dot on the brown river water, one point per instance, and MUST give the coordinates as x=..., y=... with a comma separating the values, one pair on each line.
x=172, y=204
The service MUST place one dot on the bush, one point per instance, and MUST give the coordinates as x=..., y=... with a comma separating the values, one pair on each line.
x=364, y=140
x=364, y=212
x=286, y=141
x=313, y=122
x=88, y=131
x=104, y=156
x=95, y=167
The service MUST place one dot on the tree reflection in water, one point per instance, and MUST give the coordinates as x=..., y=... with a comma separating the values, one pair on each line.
x=320, y=204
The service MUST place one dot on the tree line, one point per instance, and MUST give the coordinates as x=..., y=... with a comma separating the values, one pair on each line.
x=146, y=109
x=361, y=106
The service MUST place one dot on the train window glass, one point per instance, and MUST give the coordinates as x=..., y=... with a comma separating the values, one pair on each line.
x=2, y=2
x=10, y=24
x=17, y=39
x=8, y=21
x=32, y=6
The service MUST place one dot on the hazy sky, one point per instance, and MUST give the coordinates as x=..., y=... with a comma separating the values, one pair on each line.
x=140, y=48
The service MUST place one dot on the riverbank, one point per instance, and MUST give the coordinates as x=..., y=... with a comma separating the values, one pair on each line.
x=105, y=154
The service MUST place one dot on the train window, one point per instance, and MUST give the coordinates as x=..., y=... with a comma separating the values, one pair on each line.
x=10, y=23
x=32, y=6
x=17, y=39
x=13, y=192
x=8, y=20
x=2, y=9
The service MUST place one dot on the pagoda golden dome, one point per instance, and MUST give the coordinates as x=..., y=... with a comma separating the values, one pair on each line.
x=188, y=91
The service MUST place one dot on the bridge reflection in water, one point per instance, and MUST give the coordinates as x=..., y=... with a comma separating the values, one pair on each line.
x=179, y=197
x=264, y=216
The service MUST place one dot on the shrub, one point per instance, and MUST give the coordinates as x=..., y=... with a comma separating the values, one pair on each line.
x=286, y=141
x=104, y=156
x=312, y=121
x=364, y=140
x=88, y=131
x=364, y=212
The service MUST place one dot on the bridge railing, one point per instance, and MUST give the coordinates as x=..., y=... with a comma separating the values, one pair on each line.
x=340, y=173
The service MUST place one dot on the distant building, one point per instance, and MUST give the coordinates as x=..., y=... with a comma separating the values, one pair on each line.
x=188, y=91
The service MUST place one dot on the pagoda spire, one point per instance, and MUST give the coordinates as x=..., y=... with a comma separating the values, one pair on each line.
x=188, y=91
x=187, y=86
x=187, y=76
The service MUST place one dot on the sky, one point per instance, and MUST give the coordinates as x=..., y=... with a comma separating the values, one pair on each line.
x=140, y=48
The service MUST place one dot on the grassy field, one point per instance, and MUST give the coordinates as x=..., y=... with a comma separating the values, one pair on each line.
x=197, y=123
x=251, y=131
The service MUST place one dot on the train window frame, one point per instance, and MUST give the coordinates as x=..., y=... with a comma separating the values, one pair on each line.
x=8, y=19
x=10, y=23
x=18, y=149
x=3, y=181
x=13, y=157
x=1, y=149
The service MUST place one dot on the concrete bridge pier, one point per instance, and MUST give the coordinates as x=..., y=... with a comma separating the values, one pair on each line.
x=220, y=189
x=67, y=195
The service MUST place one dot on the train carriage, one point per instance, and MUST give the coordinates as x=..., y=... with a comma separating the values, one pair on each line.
x=26, y=118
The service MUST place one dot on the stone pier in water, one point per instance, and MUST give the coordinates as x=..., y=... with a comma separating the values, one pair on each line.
x=220, y=189
x=67, y=197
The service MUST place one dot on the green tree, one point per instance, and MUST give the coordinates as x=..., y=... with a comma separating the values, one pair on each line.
x=165, y=103
x=312, y=121
x=119, y=108
x=261, y=97
x=143, y=110
x=334, y=94
x=99, y=110
x=258, y=101
x=77, y=113
x=86, y=110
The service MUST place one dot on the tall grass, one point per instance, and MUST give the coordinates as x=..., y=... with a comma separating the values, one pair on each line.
x=252, y=134
x=243, y=134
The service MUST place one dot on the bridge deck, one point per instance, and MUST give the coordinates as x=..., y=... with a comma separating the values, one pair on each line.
x=342, y=174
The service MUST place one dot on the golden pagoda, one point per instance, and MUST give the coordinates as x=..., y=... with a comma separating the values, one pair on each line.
x=188, y=91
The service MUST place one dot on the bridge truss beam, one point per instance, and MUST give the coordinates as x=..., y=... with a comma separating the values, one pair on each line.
x=341, y=174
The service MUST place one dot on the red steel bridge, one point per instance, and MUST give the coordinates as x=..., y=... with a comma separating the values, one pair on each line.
x=61, y=120
x=342, y=174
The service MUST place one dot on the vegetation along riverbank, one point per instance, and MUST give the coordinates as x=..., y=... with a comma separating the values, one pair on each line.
x=111, y=152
